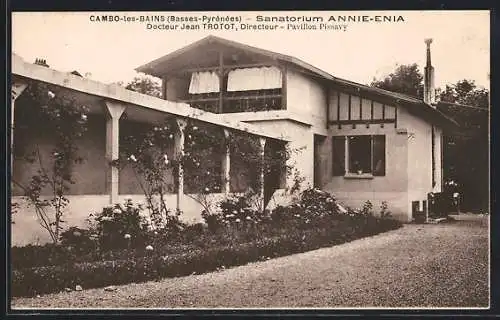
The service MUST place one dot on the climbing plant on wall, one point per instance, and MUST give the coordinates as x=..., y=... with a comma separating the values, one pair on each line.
x=58, y=122
x=149, y=151
x=151, y=154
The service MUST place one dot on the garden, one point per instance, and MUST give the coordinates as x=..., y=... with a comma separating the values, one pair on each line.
x=121, y=247
x=134, y=242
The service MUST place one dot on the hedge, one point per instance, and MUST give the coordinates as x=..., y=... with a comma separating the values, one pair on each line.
x=134, y=266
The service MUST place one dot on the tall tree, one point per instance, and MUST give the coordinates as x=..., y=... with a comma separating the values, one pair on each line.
x=465, y=156
x=466, y=152
x=406, y=79
x=467, y=93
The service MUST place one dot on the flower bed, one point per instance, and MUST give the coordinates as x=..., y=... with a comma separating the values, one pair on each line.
x=305, y=226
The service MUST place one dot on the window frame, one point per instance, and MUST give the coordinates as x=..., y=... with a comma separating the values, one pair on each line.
x=346, y=154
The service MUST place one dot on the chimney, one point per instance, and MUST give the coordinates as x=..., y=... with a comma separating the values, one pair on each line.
x=429, y=91
x=41, y=62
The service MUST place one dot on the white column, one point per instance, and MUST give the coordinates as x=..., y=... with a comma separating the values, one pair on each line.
x=226, y=165
x=179, y=154
x=17, y=89
x=113, y=113
x=261, y=178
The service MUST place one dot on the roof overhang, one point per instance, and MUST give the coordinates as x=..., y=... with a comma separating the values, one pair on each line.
x=415, y=106
x=29, y=71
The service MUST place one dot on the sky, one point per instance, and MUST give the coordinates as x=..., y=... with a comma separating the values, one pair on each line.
x=109, y=51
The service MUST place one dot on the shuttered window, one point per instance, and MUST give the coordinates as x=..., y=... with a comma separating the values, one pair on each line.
x=338, y=149
x=378, y=166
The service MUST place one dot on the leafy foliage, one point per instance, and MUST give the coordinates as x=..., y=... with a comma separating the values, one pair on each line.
x=117, y=225
x=468, y=105
x=146, y=85
x=196, y=249
x=406, y=79
x=149, y=152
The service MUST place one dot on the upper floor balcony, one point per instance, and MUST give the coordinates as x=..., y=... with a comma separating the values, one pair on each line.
x=222, y=76
x=229, y=89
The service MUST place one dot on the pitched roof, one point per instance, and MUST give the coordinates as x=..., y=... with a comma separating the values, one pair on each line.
x=414, y=105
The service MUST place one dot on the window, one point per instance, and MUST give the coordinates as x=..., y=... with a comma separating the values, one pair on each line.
x=363, y=154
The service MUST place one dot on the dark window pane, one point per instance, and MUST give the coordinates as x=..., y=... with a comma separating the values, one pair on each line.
x=360, y=154
x=379, y=155
x=338, y=149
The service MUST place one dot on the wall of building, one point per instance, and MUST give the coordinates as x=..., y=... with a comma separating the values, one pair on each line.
x=301, y=144
x=419, y=156
x=354, y=191
x=392, y=188
x=27, y=230
x=361, y=108
x=438, y=140
x=90, y=174
x=307, y=98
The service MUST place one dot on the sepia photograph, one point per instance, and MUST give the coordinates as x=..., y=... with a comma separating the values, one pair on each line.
x=250, y=160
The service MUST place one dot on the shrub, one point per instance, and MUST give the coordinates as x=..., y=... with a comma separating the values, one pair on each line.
x=113, y=223
x=129, y=266
x=311, y=223
x=235, y=210
x=82, y=240
x=49, y=254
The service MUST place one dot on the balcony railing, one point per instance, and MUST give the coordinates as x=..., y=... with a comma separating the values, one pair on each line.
x=238, y=101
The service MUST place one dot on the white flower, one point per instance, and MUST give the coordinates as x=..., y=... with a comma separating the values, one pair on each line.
x=208, y=172
x=248, y=218
x=171, y=136
x=195, y=128
x=55, y=154
x=237, y=220
x=84, y=117
x=189, y=136
x=149, y=248
x=235, y=212
x=106, y=218
x=117, y=210
x=207, y=189
x=133, y=158
x=155, y=128
x=127, y=236
x=166, y=158
x=51, y=94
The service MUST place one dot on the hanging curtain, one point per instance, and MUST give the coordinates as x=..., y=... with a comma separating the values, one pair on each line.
x=254, y=79
x=204, y=82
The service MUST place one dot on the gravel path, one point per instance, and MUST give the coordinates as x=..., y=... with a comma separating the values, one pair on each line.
x=442, y=265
